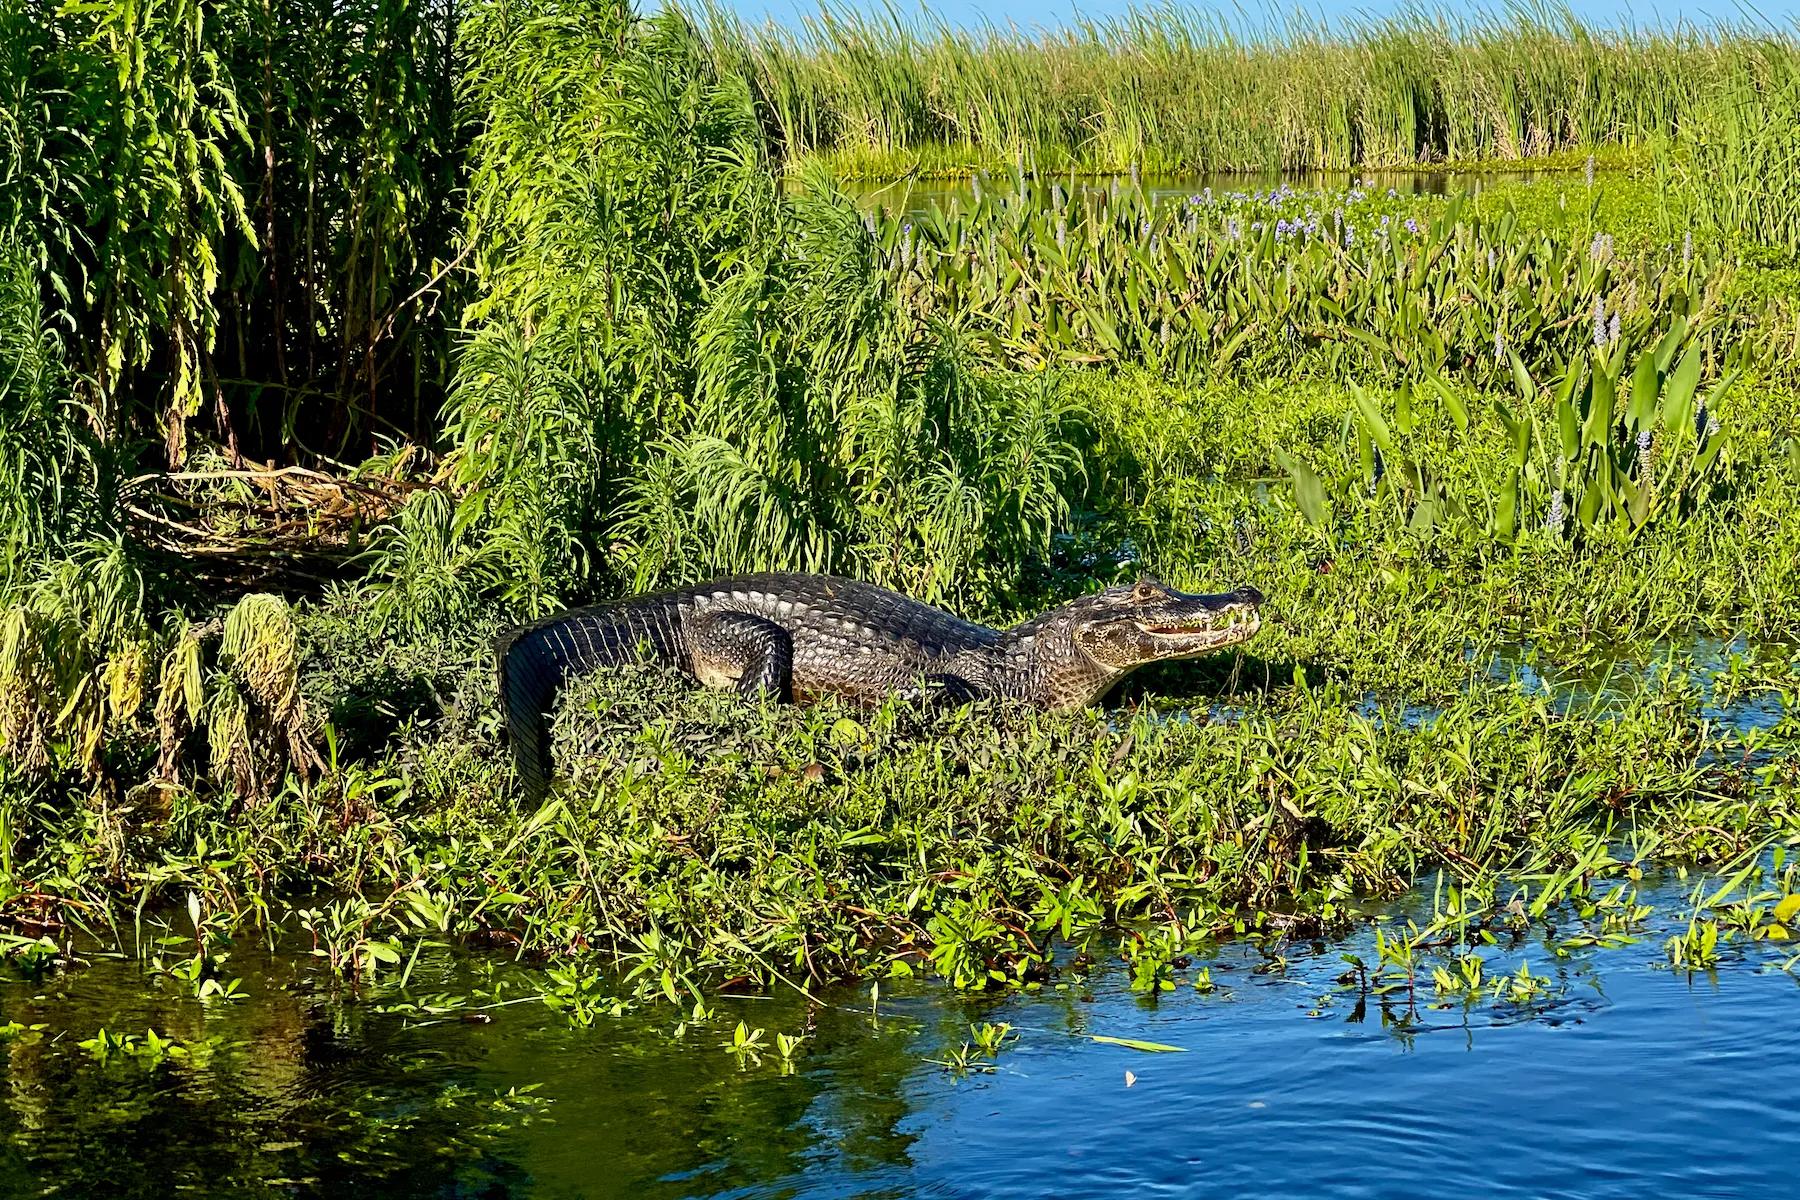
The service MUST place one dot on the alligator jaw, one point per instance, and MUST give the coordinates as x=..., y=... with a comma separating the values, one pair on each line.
x=1231, y=622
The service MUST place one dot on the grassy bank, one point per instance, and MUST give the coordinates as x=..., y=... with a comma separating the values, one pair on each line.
x=703, y=841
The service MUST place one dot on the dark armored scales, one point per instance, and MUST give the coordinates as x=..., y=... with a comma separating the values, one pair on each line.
x=801, y=637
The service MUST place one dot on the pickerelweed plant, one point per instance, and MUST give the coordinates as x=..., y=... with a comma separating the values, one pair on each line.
x=1621, y=453
x=1289, y=283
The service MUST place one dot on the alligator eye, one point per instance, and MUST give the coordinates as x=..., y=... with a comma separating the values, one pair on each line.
x=1146, y=590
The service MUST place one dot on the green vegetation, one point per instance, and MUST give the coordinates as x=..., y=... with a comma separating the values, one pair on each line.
x=1169, y=88
x=673, y=368
x=537, y=278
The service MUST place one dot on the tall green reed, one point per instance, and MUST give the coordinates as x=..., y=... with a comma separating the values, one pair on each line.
x=1737, y=178
x=1177, y=88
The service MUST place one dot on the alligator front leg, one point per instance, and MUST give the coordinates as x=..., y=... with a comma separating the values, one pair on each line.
x=740, y=650
x=939, y=692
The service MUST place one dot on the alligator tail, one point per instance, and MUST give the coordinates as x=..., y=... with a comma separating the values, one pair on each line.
x=526, y=694
x=535, y=661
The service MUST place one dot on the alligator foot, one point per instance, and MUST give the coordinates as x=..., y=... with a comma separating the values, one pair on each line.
x=939, y=693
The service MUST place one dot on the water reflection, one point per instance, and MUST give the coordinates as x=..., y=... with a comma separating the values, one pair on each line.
x=1606, y=678
x=1298, y=1077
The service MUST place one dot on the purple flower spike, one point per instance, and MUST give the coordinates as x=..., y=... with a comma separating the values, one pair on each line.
x=1553, y=520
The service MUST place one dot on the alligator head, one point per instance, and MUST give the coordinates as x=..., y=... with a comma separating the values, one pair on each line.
x=1091, y=643
x=1126, y=627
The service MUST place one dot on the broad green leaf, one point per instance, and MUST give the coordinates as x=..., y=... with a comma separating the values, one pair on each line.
x=1506, y=513
x=1568, y=425
x=1709, y=454
x=1372, y=419
x=1597, y=430
x=1593, y=496
x=1678, y=400
x=1521, y=377
x=1671, y=342
x=1646, y=382
x=1309, y=492
x=1453, y=404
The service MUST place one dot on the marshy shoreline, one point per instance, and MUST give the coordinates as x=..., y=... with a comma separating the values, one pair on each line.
x=337, y=341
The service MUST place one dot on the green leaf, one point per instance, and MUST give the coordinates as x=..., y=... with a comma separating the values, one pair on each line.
x=1597, y=429
x=1568, y=424
x=1665, y=349
x=1424, y=518
x=1595, y=494
x=1637, y=501
x=1518, y=431
x=1372, y=419
x=1646, y=382
x=1705, y=459
x=1506, y=514
x=1365, y=452
x=1136, y=1044
x=1521, y=377
x=1678, y=403
x=1403, y=408
x=1309, y=492
x=1453, y=404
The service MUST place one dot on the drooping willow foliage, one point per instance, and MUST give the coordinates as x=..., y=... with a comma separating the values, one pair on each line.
x=674, y=368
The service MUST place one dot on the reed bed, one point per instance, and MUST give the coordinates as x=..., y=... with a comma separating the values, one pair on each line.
x=1179, y=89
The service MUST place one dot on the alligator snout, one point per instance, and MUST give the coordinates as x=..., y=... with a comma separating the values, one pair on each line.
x=1247, y=595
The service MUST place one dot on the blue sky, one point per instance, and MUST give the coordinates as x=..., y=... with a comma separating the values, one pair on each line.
x=1028, y=13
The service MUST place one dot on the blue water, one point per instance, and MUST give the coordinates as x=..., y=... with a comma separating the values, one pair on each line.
x=1618, y=677
x=1640, y=1083
x=1629, y=1080
x=1625, y=1078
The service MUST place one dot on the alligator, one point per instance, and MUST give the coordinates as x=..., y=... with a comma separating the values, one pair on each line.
x=800, y=638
